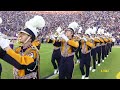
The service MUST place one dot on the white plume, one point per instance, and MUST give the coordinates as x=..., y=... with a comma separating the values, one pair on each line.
x=74, y=26
x=100, y=31
x=0, y=20
x=88, y=31
x=36, y=22
x=94, y=30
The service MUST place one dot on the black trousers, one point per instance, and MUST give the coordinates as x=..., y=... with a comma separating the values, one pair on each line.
x=107, y=48
x=85, y=61
x=93, y=54
x=66, y=67
x=110, y=47
x=112, y=43
x=99, y=50
x=103, y=52
x=56, y=56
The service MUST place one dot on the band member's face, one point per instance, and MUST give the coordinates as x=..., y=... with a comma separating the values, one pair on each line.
x=22, y=37
x=69, y=34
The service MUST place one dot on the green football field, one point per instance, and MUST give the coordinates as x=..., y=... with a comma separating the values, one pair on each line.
x=107, y=70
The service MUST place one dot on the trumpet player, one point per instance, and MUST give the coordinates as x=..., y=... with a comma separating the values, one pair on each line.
x=25, y=58
x=56, y=55
x=85, y=55
x=68, y=48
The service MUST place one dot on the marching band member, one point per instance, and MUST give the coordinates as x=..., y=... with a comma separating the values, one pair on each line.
x=101, y=32
x=25, y=58
x=94, y=49
x=110, y=43
x=106, y=44
x=56, y=55
x=68, y=47
x=104, y=47
x=98, y=48
x=85, y=56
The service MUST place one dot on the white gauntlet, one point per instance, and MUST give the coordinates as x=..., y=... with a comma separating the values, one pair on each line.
x=84, y=39
x=52, y=37
x=4, y=43
x=64, y=37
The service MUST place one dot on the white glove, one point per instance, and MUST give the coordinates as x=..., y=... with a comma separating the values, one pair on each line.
x=58, y=30
x=52, y=37
x=64, y=37
x=84, y=39
x=4, y=43
x=60, y=34
x=92, y=38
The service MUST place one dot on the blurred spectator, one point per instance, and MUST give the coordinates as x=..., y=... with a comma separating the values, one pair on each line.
x=13, y=21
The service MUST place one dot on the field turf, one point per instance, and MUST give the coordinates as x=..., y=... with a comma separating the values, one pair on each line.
x=107, y=70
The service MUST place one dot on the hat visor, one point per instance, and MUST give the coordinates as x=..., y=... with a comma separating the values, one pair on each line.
x=24, y=32
x=70, y=29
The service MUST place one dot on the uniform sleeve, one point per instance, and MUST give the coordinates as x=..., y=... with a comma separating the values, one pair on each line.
x=17, y=50
x=90, y=44
x=105, y=40
x=101, y=40
x=36, y=43
x=96, y=40
x=73, y=43
x=23, y=60
x=7, y=58
x=110, y=40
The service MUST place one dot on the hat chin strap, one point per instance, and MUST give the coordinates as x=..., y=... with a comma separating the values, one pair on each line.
x=27, y=40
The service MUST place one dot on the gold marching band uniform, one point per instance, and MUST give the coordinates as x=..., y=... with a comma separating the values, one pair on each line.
x=26, y=73
x=67, y=56
x=85, y=56
x=25, y=59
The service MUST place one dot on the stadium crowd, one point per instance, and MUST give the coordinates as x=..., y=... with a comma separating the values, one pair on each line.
x=13, y=21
